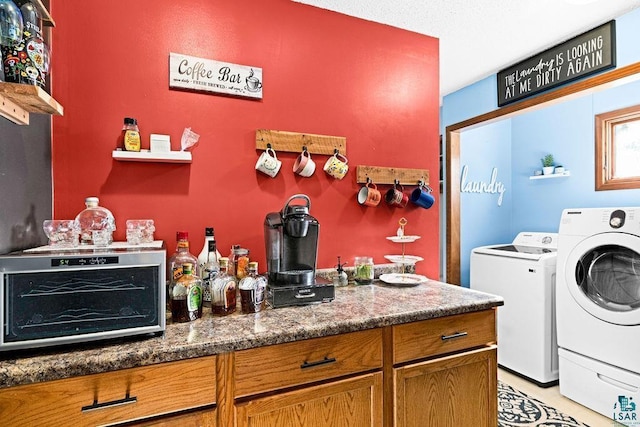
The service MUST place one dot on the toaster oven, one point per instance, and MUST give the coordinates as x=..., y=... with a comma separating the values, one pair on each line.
x=56, y=298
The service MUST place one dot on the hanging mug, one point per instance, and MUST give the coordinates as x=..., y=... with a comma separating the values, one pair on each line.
x=268, y=163
x=303, y=165
x=369, y=195
x=336, y=166
x=395, y=196
x=422, y=196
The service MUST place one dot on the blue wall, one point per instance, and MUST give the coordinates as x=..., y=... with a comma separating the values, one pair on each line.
x=516, y=145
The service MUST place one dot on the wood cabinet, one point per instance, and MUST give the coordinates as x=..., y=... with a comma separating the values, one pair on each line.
x=445, y=372
x=114, y=397
x=431, y=373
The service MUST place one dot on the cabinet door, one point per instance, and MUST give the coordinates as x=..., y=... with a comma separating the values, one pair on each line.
x=352, y=402
x=453, y=391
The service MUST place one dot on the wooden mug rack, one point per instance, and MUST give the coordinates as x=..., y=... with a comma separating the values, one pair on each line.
x=294, y=142
x=387, y=175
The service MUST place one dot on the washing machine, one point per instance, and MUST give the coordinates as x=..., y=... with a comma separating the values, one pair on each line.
x=598, y=310
x=523, y=273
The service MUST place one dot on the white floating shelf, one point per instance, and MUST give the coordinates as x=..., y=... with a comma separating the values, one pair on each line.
x=553, y=175
x=148, y=156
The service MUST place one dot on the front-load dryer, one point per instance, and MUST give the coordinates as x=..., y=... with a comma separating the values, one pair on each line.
x=598, y=309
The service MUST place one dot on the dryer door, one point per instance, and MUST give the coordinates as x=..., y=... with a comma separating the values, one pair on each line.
x=602, y=274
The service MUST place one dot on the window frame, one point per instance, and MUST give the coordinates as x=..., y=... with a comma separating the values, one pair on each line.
x=604, y=124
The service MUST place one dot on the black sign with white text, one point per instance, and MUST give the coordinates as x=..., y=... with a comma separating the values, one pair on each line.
x=583, y=55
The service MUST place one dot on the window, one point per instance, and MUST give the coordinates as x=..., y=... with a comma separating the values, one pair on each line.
x=618, y=149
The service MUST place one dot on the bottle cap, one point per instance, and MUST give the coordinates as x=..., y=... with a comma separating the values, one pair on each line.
x=182, y=235
x=91, y=201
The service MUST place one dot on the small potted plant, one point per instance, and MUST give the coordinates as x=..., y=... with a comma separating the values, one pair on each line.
x=547, y=164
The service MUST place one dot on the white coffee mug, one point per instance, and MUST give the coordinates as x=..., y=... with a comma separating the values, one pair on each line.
x=268, y=163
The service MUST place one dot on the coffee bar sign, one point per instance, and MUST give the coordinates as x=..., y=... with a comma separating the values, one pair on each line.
x=190, y=72
x=586, y=54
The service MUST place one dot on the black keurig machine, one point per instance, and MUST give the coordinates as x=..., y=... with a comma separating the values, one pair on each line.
x=291, y=239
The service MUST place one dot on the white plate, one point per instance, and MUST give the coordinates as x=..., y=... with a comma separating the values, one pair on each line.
x=404, y=259
x=403, y=279
x=403, y=239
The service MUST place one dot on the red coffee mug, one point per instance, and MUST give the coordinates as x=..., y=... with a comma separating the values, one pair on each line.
x=395, y=196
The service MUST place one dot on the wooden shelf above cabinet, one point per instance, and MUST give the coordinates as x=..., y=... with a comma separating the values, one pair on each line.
x=18, y=100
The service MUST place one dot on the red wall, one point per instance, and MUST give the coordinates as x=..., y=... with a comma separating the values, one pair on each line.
x=323, y=73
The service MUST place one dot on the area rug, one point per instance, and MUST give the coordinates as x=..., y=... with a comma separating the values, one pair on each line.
x=516, y=409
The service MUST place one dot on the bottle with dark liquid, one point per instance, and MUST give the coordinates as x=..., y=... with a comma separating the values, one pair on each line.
x=223, y=291
x=177, y=260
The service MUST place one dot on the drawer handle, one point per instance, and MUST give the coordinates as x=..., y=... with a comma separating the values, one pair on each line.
x=300, y=296
x=324, y=361
x=454, y=335
x=126, y=401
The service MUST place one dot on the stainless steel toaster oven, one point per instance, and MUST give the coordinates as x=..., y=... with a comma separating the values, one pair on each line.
x=55, y=298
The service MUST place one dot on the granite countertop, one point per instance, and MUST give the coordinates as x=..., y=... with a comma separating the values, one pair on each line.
x=354, y=308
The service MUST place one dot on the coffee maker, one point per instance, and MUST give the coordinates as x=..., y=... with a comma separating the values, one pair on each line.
x=291, y=240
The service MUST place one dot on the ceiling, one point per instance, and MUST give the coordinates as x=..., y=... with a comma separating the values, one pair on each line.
x=478, y=38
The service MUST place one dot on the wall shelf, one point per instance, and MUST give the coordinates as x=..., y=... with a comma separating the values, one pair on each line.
x=553, y=175
x=388, y=175
x=294, y=141
x=148, y=156
x=18, y=100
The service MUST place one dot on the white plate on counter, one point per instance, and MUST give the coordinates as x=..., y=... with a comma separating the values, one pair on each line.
x=404, y=279
x=404, y=259
x=403, y=239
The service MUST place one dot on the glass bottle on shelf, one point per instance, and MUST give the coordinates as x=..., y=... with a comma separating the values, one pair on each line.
x=130, y=135
x=186, y=296
x=177, y=260
x=223, y=291
x=252, y=290
x=95, y=221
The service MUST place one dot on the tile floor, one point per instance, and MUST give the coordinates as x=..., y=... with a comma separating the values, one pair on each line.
x=552, y=397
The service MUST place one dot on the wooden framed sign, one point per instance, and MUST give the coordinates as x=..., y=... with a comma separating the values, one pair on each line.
x=190, y=72
x=583, y=55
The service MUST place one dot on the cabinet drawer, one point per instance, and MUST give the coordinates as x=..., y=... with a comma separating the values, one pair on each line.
x=443, y=335
x=124, y=395
x=278, y=366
